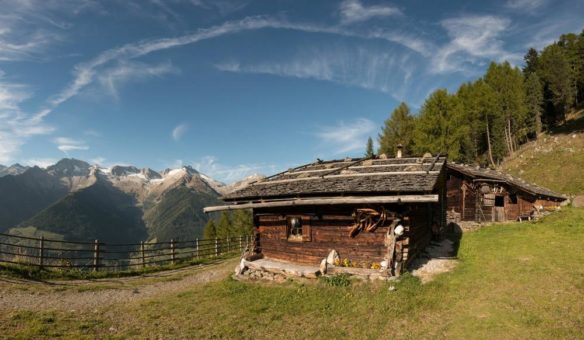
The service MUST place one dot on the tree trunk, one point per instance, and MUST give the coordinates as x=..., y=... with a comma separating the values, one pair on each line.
x=489, y=145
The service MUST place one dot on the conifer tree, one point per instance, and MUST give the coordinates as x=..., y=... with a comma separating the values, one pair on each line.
x=439, y=128
x=530, y=59
x=556, y=74
x=369, y=149
x=534, y=102
x=242, y=221
x=508, y=84
x=224, y=227
x=210, y=231
x=397, y=129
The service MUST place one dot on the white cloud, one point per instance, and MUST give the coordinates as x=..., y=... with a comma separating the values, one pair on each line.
x=211, y=166
x=66, y=144
x=98, y=160
x=85, y=73
x=386, y=71
x=179, y=131
x=525, y=5
x=16, y=126
x=125, y=71
x=474, y=40
x=347, y=137
x=354, y=11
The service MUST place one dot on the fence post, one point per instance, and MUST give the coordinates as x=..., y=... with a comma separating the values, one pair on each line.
x=96, y=256
x=172, y=251
x=41, y=252
x=197, y=247
x=240, y=238
x=216, y=247
x=142, y=253
x=228, y=244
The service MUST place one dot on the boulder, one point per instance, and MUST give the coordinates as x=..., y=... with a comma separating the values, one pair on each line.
x=332, y=256
x=323, y=266
x=578, y=202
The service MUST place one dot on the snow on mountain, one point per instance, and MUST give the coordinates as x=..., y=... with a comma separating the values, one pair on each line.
x=14, y=169
x=242, y=183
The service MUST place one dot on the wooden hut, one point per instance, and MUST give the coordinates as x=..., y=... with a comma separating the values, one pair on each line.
x=373, y=212
x=485, y=195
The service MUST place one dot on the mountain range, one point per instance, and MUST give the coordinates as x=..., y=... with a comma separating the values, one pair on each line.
x=78, y=201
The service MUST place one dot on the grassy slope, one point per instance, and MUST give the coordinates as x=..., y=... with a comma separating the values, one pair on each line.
x=554, y=161
x=513, y=281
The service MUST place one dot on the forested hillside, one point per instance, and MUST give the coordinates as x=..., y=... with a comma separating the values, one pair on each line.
x=487, y=120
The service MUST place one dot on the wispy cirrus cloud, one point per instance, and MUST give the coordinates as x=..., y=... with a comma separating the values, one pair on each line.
x=382, y=70
x=125, y=71
x=354, y=11
x=15, y=125
x=85, y=73
x=179, y=131
x=212, y=167
x=66, y=144
x=473, y=40
x=346, y=137
x=525, y=5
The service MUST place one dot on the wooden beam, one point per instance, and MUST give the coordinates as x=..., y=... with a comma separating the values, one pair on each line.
x=328, y=201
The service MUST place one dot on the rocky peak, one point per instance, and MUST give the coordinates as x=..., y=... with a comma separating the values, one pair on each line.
x=150, y=174
x=68, y=167
x=120, y=170
x=14, y=169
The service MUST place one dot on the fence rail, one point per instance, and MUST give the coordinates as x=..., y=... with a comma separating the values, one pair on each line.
x=96, y=255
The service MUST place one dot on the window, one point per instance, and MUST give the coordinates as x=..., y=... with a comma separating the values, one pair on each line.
x=294, y=228
x=499, y=201
x=513, y=198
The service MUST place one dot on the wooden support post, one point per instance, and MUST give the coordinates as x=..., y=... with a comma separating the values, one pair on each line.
x=142, y=253
x=41, y=252
x=216, y=247
x=197, y=248
x=96, y=256
x=172, y=254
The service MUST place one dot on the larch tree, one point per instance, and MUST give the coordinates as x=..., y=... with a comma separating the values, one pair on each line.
x=242, y=221
x=210, y=231
x=369, y=148
x=439, y=127
x=224, y=226
x=397, y=129
x=508, y=84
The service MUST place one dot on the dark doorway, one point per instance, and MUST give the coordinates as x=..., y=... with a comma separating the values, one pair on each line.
x=499, y=201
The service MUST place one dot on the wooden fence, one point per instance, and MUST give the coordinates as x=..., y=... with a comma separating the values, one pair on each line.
x=96, y=255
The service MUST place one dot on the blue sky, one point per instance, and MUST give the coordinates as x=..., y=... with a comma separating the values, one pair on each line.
x=240, y=87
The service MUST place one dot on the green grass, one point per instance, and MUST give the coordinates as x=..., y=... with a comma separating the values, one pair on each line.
x=554, y=161
x=35, y=273
x=514, y=281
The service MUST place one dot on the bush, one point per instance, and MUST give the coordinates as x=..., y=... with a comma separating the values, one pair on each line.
x=338, y=280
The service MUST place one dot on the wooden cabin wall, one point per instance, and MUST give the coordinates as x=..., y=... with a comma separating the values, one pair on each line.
x=329, y=229
x=462, y=201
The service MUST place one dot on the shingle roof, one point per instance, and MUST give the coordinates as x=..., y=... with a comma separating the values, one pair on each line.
x=349, y=176
x=484, y=173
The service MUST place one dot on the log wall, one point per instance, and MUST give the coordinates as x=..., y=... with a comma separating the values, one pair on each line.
x=465, y=197
x=329, y=229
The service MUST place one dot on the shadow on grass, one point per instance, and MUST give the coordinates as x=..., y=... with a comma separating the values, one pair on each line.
x=571, y=125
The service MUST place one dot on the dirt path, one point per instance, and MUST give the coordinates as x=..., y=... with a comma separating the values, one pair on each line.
x=437, y=258
x=18, y=294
